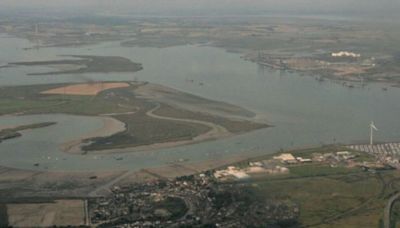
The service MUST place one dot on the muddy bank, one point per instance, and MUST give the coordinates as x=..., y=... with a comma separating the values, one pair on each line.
x=110, y=126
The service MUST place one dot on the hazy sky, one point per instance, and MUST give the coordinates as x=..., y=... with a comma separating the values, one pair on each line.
x=385, y=8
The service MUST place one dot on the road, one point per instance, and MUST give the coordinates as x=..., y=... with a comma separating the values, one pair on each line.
x=388, y=210
x=108, y=185
x=215, y=132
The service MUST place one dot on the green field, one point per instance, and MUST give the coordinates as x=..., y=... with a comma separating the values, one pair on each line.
x=312, y=170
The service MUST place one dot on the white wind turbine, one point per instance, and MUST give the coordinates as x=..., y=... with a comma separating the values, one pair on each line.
x=372, y=129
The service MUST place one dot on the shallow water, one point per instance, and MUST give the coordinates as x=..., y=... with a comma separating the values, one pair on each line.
x=303, y=110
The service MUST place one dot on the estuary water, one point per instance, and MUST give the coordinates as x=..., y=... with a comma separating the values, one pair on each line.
x=304, y=111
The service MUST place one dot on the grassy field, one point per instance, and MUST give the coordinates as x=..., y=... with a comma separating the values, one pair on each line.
x=316, y=170
x=58, y=213
x=8, y=106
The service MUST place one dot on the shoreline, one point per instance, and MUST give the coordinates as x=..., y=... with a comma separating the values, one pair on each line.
x=74, y=147
x=147, y=94
x=110, y=126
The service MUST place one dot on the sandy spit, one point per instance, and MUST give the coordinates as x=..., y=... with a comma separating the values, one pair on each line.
x=110, y=126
